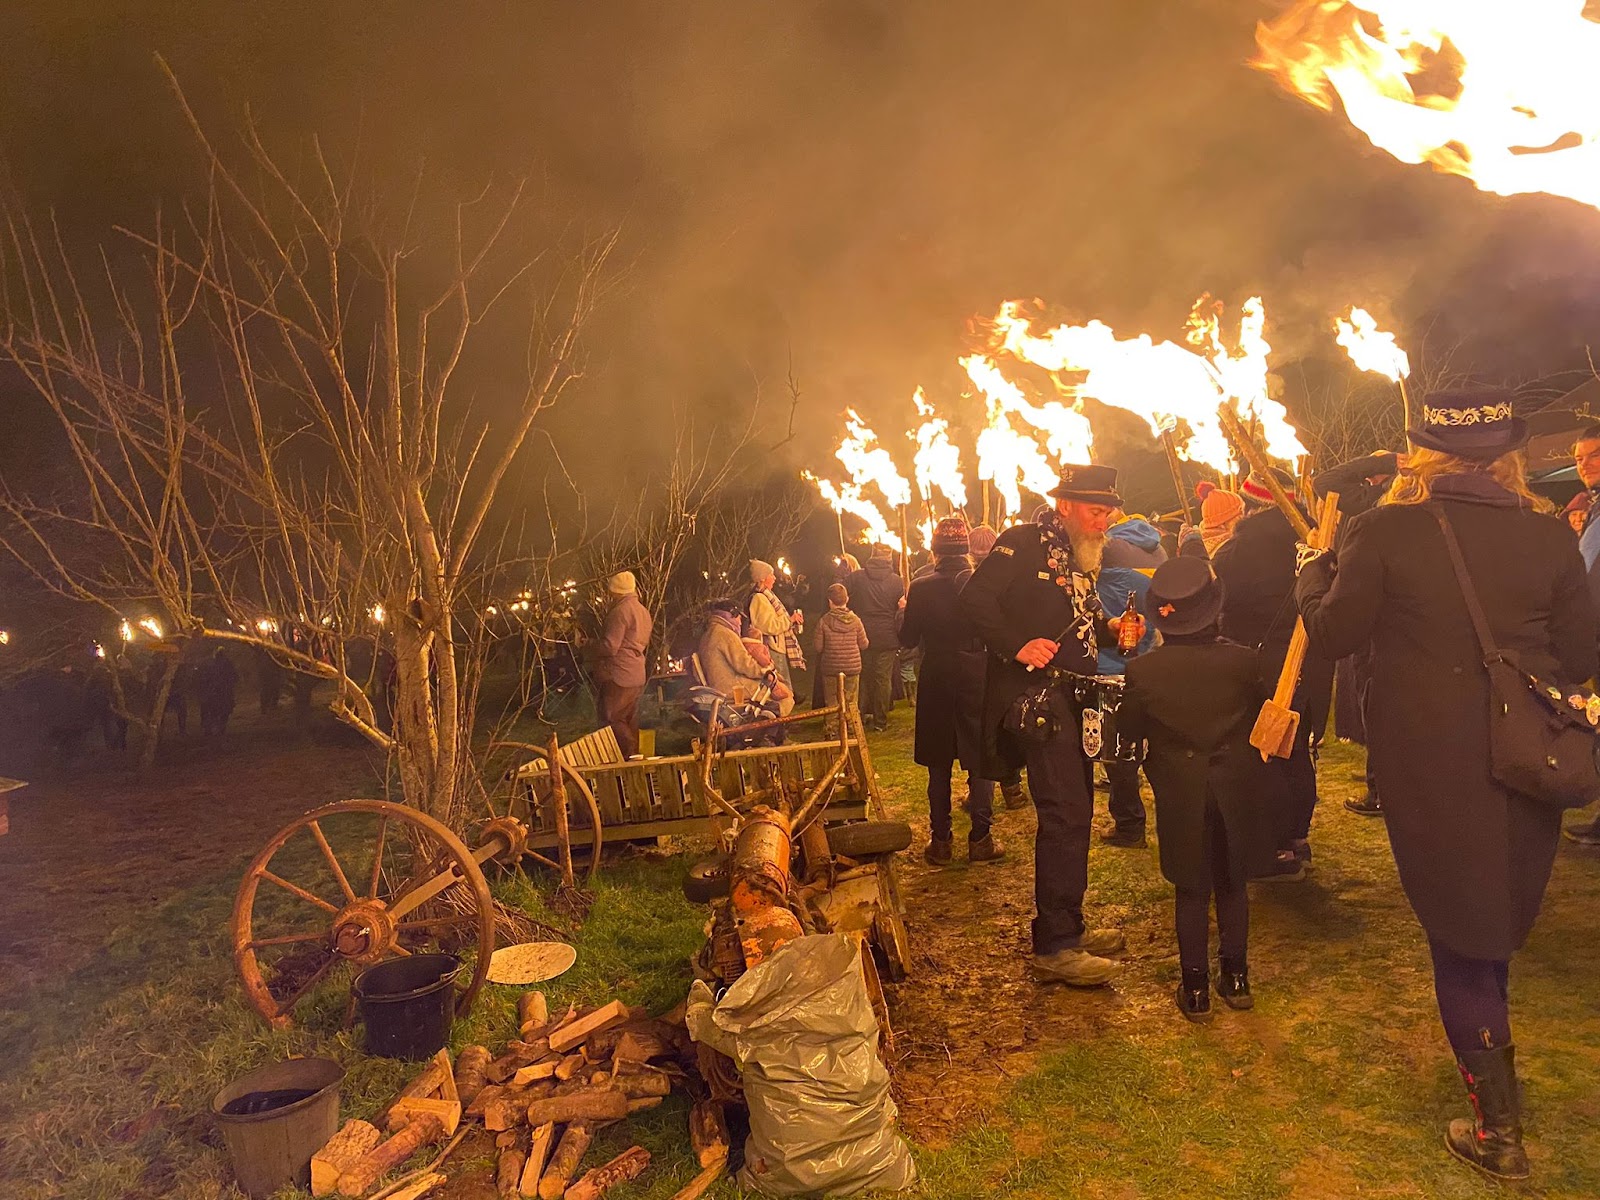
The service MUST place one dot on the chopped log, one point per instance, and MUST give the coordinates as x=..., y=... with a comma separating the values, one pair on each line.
x=420, y=1187
x=432, y=1079
x=471, y=1074
x=643, y=1103
x=574, y=1032
x=485, y=1097
x=359, y=1177
x=630, y=1164
x=534, y=1073
x=508, y=1170
x=506, y=1112
x=701, y=1183
x=591, y=1104
x=407, y=1108
x=568, y=1067
x=533, y=1012
x=599, y=1077
x=532, y=1048
x=564, y=1162
x=708, y=1132
x=538, y=1155
x=645, y=1084
x=339, y=1153
x=639, y=1045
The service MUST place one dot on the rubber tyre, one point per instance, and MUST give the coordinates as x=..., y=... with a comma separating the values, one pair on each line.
x=863, y=839
x=706, y=881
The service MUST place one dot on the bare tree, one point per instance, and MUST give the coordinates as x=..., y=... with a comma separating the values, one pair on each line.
x=270, y=408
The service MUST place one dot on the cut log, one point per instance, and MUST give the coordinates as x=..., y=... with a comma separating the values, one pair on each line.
x=701, y=1183
x=630, y=1164
x=643, y=1103
x=339, y=1153
x=485, y=1097
x=599, y=1077
x=640, y=1046
x=508, y=1171
x=407, y=1108
x=533, y=1012
x=647, y=1083
x=564, y=1162
x=708, y=1132
x=471, y=1074
x=538, y=1155
x=592, y=1104
x=506, y=1112
x=518, y=1055
x=420, y=1187
x=575, y=1031
x=359, y=1177
x=568, y=1067
x=433, y=1078
x=535, y=1072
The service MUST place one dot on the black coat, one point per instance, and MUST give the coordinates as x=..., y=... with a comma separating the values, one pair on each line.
x=950, y=687
x=875, y=592
x=1474, y=859
x=1196, y=702
x=1012, y=599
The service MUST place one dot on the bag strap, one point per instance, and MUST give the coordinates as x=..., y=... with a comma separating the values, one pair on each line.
x=1480, y=624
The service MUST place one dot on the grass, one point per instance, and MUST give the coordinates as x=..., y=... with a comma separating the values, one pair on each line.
x=1335, y=1086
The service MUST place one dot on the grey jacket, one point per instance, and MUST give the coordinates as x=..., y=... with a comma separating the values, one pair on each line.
x=841, y=637
x=619, y=657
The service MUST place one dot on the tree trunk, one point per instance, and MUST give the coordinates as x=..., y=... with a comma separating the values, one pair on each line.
x=158, y=715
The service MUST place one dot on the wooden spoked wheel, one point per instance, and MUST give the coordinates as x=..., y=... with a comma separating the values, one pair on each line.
x=528, y=798
x=349, y=885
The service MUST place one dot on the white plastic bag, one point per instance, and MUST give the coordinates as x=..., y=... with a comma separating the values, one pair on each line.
x=802, y=1030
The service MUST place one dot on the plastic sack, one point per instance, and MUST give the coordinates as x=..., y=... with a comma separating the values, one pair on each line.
x=801, y=1028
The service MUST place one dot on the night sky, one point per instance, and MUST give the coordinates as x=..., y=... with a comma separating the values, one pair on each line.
x=841, y=182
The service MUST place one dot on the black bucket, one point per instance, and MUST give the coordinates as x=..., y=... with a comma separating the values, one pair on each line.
x=275, y=1118
x=407, y=1005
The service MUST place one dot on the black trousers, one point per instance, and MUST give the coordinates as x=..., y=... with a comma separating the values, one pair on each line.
x=1124, y=803
x=1472, y=999
x=1193, y=909
x=1063, y=794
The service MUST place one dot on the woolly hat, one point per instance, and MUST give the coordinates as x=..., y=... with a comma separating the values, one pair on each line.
x=980, y=541
x=882, y=550
x=1256, y=494
x=760, y=570
x=950, y=536
x=621, y=584
x=1220, y=507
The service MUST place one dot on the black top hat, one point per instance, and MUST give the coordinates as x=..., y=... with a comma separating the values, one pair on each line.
x=1184, y=596
x=1476, y=425
x=1091, y=484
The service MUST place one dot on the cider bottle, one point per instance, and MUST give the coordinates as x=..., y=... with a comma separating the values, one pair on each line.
x=1128, y=631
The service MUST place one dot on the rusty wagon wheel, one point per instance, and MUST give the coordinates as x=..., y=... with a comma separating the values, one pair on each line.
x=529, y=795
x=290, y=936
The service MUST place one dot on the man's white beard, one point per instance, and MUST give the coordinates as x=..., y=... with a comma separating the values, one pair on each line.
x=1087, y=549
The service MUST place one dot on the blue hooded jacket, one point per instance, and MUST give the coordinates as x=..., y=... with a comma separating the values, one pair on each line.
x=1132, y=554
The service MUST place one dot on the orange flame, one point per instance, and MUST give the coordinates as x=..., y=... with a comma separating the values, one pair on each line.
x=1369, y=347
x=937, y=463
x=1505, y=94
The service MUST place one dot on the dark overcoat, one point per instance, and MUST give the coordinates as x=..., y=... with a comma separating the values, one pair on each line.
x=950, y=687
x=1196, y=702
x=1012, y=599
x=1474, y=859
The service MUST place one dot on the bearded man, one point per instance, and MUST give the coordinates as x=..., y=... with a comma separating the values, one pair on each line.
x=1033, y=603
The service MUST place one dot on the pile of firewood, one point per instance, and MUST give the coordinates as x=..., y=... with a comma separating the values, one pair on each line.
x=543, y=1097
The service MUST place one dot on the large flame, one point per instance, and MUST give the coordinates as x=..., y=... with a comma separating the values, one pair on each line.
x=1505, y=94
x=847, y=498
x=1370, y=348
x=937, y=463
x=1010, y=458
x=869, y=463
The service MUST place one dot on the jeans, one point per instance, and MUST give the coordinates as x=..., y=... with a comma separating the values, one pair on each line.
x=1062, y=786
x=877, y=682
x=1125, y=805
x=980, y=803
x=1194, y=904
x=852, y=697
x=619, y=708
x=1472, y=999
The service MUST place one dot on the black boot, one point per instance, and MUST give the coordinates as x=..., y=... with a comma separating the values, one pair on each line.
x=1492, y=1140
x=1194, y=994
x=1233, y=983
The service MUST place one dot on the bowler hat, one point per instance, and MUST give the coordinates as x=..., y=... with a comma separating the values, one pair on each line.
x=1477, y=425
x=1088, y=484
x=1184, y=596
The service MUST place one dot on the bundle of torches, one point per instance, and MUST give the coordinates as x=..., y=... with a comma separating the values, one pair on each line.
x=1185, y=395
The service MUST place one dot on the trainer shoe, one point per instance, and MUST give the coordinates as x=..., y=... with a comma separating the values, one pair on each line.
x=1587, y=834
x=939, y=853
x=1075, y=968
x=984, y=850
x=1367, y=806
x=1102, y=941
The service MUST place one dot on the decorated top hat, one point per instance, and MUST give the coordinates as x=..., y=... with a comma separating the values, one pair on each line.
x=1090, y=484
x=1184, y=596
x=1476, y=425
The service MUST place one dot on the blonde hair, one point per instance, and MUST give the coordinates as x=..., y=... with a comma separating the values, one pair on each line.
x=1414, y=484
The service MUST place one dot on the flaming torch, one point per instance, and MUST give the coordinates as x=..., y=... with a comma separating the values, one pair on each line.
x=937, y=462
x=1373, y=350
x=868, y=462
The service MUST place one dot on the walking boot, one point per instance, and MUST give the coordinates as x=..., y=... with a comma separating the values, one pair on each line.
x=1286, y=868
x=1492, y=1140
x=1233, y=983
x=939, y=852
x=1014, y=796
x=984, y=850
x=1194, y=995
x=1075, y=967
x=1128, y=839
